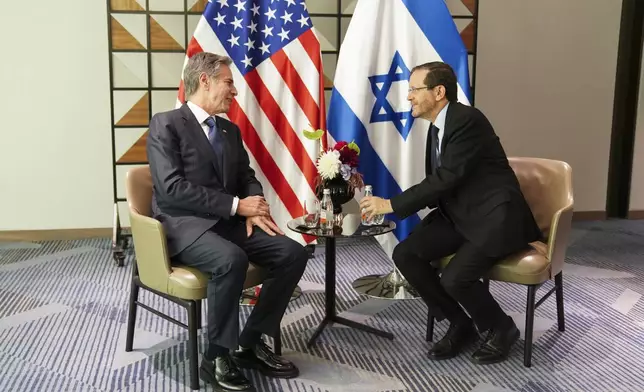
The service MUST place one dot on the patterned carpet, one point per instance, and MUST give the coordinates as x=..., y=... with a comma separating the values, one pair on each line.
x=63, y=314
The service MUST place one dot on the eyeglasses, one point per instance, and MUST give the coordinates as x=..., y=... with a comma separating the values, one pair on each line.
x=414, y=89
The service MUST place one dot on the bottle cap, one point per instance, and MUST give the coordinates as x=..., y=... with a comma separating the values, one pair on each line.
x=368, y=188
x=326, y=192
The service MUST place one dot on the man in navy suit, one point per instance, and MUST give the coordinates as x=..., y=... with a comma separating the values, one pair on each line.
x=216, y=219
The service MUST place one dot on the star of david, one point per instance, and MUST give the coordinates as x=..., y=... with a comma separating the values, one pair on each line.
x=380, y=85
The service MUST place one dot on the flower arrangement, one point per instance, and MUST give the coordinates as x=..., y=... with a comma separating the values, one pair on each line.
x=337, y=163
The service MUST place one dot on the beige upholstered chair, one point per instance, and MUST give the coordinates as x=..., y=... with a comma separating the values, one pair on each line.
x=547, y=187
x=152, y=270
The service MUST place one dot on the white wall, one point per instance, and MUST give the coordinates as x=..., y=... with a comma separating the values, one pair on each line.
x=55, y=151
x=637, y=175
x=546, y=79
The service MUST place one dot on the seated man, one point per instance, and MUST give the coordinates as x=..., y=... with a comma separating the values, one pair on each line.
x=481, y=216
x=216, y=220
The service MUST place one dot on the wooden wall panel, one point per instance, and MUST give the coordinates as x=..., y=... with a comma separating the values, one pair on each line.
x=123, y=39
x=125, y=5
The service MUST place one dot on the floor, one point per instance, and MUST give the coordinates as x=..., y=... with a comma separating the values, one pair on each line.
x=63, y=309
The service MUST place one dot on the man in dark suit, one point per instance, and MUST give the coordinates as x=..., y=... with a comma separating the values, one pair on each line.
x=480, y=216
x=216, y=219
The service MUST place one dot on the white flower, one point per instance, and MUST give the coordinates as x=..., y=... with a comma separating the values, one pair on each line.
x=329, y=164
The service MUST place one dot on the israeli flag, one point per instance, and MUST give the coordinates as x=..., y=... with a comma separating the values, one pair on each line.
x=385, y=40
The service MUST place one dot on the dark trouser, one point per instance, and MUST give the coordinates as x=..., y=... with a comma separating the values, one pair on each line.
x=460, y=281
x=224, y=252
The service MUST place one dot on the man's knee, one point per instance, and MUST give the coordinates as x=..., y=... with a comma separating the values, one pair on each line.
x=297, y=254
x=454, y=284
x=403, y=254
x=291, y=255
x=236, y=263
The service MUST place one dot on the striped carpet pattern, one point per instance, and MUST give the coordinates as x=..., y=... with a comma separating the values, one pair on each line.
x=63, y=311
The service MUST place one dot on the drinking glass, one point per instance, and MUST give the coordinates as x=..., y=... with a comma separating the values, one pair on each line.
x=311, y=212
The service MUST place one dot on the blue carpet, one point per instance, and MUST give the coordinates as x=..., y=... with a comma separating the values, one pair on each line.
x=63, y=309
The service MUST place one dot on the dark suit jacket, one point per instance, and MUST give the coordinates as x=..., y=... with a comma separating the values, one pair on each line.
x=474, y=187
x=190, y=195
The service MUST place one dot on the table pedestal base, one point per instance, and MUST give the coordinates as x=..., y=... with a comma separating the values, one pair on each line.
x=389, y=286
x=349, y=323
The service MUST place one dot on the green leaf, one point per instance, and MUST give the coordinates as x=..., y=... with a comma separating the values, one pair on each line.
x=313, y=135
x=354, y=147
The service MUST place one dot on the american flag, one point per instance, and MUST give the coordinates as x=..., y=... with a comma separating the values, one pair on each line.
x=277, y=68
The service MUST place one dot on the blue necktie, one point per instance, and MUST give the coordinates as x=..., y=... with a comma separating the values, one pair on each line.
x=216, y=140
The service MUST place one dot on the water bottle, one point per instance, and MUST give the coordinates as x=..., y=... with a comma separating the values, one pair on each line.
x=326, y=210
x=368, y=191
x=377, y=219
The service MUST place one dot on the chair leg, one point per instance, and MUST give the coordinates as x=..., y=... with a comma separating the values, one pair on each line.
x=429, y=336
x=277, y=343
x=199, y=317
x=131, y=318
x=529, y=326
x=560, y=305
x=192, y=345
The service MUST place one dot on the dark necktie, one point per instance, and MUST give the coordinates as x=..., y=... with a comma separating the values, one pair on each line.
x=436, y=163
x=436, y=156
x=216, y=140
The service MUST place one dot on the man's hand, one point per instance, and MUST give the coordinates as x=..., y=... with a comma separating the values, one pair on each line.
x=253, y=206
x=264, y=223
x=373, y=205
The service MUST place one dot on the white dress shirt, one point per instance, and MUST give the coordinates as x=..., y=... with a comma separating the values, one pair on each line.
x=201, y=116
x=440, y=124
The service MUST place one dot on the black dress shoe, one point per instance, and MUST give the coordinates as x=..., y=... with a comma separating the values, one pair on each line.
x=224, y=375
x=261, y=357
x=497, y=345
x=458, y=336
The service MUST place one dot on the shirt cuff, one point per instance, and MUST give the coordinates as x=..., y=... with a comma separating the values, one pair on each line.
x=233, y=210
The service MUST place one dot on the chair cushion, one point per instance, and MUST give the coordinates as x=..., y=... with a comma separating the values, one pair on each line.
x=189, y=283
x=530, y=266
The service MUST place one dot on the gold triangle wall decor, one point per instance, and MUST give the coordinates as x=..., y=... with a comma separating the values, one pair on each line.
x=199, y=6
x=139, y=114
x=136, y=153
x=467, y=35
x=160, y=39
x=125, y=5
x=470, y=4
x=327, y=82
x=121, y=38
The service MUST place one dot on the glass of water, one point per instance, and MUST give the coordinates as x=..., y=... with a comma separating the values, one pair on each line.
x=311, y=212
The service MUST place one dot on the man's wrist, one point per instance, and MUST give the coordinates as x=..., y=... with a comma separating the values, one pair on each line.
x=389, y=207
x=233, y=209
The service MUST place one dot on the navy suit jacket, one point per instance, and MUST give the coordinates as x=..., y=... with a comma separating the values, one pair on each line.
x=190, y=195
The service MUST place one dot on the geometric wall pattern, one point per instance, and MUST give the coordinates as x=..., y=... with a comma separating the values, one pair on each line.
x=147, y=43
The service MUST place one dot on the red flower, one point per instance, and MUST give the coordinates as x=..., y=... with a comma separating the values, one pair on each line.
x=339, y=145
x=349, y=156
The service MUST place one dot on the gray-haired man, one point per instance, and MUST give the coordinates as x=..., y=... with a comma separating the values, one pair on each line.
x=216, y=219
